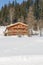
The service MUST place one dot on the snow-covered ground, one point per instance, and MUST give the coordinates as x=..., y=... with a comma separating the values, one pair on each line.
x=21, y=50
x=2, y=30
x=22, y=60
x=11, y=45
x=16, y=50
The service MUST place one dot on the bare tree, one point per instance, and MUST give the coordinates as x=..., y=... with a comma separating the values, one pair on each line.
x=11, y=14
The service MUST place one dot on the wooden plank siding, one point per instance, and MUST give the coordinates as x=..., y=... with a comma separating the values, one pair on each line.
x=17, y=29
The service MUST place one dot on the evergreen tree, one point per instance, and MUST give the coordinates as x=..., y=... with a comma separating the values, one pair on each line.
x=24, y=9
x=41, y=6
x=37, y=9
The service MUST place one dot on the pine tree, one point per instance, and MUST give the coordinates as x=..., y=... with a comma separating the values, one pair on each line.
x=37, y=9
x=41, y=6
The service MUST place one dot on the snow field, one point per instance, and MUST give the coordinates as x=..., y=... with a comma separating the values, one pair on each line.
x=22, y=60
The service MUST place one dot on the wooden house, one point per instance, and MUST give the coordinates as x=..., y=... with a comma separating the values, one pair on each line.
x=17, y=29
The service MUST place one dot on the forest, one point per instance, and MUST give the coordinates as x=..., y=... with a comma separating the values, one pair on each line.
x=14, y=12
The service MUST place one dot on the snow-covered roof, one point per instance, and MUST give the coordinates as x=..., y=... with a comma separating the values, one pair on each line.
x=16, y=24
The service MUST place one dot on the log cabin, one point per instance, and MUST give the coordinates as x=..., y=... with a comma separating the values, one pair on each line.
x=18, y=28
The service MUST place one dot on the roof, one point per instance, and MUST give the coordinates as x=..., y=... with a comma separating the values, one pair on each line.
x=16, y=24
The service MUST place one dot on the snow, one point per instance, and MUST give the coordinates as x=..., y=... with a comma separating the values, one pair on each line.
x=21, y=50
x=2, y=29
x=12, y=45
x=37, y=32
x=22, y=60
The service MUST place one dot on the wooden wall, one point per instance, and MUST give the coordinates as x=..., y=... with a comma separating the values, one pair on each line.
x=17, y=29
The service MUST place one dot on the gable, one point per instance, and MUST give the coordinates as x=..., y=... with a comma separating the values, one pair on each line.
x=17, y=25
